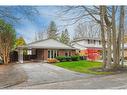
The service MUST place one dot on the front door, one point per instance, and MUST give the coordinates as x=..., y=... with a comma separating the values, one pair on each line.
x=40, y=54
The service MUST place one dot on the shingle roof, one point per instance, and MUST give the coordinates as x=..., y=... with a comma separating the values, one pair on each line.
x=47, y=43
x=86, y=38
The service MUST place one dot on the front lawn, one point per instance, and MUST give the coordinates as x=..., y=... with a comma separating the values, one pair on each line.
x=82, y=66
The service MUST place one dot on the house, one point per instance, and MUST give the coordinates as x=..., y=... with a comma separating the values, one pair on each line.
x=43, y=49
x=125, y=51
x=85, y=43
x=89, y=47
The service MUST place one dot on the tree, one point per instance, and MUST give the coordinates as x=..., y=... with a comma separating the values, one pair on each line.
x=52, y=31
x=20, y=41
x=65, y=38
x=8, y=13
x=7, y=40
x=80, y=31
x=125, y=38
x=122, y=30
x=41, y=34
x=111, y=32
x=103, y=35
x=87, y=30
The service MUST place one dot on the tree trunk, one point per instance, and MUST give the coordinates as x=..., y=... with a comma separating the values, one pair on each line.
x=103, y=36
x=108, y=27
x=122, y=19
x=114, y=38
x=109, y=51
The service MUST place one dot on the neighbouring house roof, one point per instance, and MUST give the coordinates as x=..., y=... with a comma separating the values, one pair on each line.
x=82, y=47
x=86, y=38
x=47, y=43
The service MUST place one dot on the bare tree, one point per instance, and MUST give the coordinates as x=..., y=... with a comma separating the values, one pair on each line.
x=111, y=36
x=88, y=29
x=122, y=30
x=8, y=13
x=40, y=35
x=103, y=35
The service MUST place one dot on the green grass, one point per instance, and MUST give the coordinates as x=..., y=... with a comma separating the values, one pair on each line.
x=82, y=66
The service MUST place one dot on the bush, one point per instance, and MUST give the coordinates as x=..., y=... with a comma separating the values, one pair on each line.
x=82, y=57
x=52, y=60
x=68, y=58
x=75, y=58
x=61, y=58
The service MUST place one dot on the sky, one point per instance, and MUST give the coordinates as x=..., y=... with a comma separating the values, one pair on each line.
x=27, y=29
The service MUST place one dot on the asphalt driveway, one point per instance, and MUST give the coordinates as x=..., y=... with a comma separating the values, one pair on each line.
x=11, y=75
x=43, y=73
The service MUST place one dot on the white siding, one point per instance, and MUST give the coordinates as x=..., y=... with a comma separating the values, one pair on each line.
x=84, y=44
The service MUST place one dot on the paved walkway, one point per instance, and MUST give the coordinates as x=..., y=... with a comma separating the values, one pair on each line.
x=43, y=73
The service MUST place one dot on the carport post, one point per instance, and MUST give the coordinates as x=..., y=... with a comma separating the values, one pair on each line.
x=20, y=55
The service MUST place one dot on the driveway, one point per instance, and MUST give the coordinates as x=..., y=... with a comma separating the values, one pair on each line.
x=11, y=75
x=43, y=73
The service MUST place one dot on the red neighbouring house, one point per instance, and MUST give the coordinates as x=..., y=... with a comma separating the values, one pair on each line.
x=44, y=49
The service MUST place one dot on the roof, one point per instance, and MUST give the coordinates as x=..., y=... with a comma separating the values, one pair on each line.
x=47, y=43
x=81, y=47
x=86, y=38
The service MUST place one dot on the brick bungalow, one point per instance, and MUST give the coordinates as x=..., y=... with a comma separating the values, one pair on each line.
x=43, y=49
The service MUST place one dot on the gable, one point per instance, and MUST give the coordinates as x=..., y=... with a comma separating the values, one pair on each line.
x=49, y=43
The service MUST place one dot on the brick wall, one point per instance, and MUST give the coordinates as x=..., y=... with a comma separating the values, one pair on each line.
x=39, y=54
x=73, y=52
x=45, y=54
x=62, y=52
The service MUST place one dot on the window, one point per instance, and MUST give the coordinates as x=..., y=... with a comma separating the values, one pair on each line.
x=94, y=41
x=88, y=41
x=52, y=53
x=29, y=52
x=48, y=53
x=99, y=42
x=55, y=53
x=67, y=53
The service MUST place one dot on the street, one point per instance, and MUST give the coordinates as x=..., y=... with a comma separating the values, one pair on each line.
x=47, y=76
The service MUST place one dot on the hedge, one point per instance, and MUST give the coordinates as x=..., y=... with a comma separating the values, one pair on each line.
x=68, y=58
